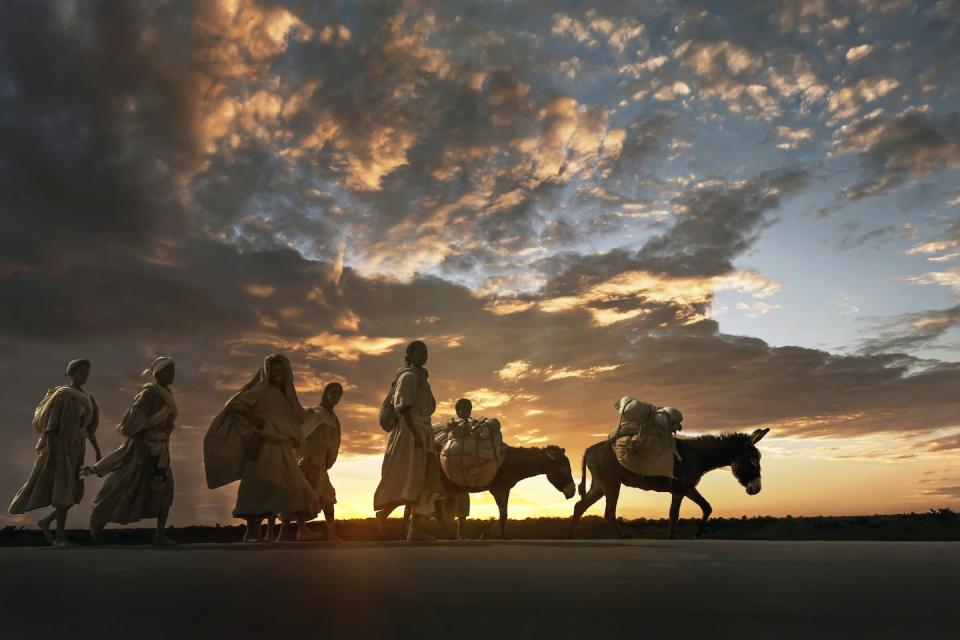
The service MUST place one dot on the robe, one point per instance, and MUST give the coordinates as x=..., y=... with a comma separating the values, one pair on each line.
x=410, y=474
x=139, y=480
x=321, y=445
x=64, y=418
x=273, y=482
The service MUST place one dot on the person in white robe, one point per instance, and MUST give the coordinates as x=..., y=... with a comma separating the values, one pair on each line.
x=254, y=440
x=139, y=480
x=411, y=466
x=65, y=419
x=321, y=445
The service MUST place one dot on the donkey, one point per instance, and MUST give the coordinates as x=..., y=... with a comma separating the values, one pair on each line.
x=698, y=456
x=519, y=464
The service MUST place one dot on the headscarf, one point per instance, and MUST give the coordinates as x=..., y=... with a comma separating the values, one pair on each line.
x=158, y=365
x=73, y=364
x=262, y=378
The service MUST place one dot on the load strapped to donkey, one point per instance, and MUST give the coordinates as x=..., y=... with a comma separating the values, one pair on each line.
x=471, y=451
x=644, y=438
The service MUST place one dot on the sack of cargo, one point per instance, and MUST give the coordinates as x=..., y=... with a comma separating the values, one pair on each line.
x=633, y=410
x=471, y=451
x=643, y=441
x=646, y=453
x=388, y=417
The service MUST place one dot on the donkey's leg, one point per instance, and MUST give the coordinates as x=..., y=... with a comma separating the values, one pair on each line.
x=610, y=511
x=695, y=495
x=502, y=499
x=587, y=501
x=674, y=512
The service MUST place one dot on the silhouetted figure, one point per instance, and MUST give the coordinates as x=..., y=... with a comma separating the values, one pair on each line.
x=65, y=419
x=254, y=439
x=321, y=445
x=139, y=480
x=696, y=457
x=410, y=472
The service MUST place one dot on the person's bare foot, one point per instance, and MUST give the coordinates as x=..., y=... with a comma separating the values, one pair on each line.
x=63, y=543
x=44, y=525
x=163, y=541
x=333, y=537
x=96, y=534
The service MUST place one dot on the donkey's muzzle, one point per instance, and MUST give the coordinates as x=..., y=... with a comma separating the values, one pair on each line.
x=753, y=487
x=570, y=490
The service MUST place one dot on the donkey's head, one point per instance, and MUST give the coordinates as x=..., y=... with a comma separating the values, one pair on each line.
x=558, y=471
x=746, y=463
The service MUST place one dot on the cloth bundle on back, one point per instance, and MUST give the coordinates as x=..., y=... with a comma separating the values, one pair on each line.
x=643, y=440
x=471, y=451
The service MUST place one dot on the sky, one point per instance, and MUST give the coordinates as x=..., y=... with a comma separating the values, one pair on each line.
x=748, y=211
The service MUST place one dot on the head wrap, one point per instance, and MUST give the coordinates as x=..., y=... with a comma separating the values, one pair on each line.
x=158, y=365
x=73, y=364
x=262, y=378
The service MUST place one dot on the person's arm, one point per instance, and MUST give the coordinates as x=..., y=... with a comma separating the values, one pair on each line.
x=92, y=430
x=96, y=446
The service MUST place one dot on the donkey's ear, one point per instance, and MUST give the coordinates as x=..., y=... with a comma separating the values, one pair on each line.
x=562, y=450
x=757, y=435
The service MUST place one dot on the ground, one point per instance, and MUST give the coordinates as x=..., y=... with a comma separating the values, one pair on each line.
x=507, y=589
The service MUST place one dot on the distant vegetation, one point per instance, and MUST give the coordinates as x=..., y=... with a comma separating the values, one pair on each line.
x=936, y=524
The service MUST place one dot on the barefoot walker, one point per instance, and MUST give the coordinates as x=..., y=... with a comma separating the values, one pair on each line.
x=65, y=418
x=139, y=481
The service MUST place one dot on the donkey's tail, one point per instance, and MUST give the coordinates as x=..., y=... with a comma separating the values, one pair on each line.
x=582, y=487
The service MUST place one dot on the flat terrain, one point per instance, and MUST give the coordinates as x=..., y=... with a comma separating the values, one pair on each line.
x=934, y=525
x=529, y=589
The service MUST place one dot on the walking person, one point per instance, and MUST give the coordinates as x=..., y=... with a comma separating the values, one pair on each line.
x=139, y=480
x=254, y=439
x=321, y=445
x=65, y=419
x=410, y=471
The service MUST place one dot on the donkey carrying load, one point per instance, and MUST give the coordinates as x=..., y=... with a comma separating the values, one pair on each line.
x=693, y=458
x=473, y=458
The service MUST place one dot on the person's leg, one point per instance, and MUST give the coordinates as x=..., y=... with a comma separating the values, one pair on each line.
x=272, y=528
x=303, y=532
x=253, y=532
x=44, y=524
x=284, y=534
x=96, y=532
x=382, y=516
x=160, y=537
x=328, y=515
x=61, y=515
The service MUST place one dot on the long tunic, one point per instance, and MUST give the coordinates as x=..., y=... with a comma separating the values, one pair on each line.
x=273, y=483
x=139, y=480
x=410, y=474
x=65, y=418
x=318, y=453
